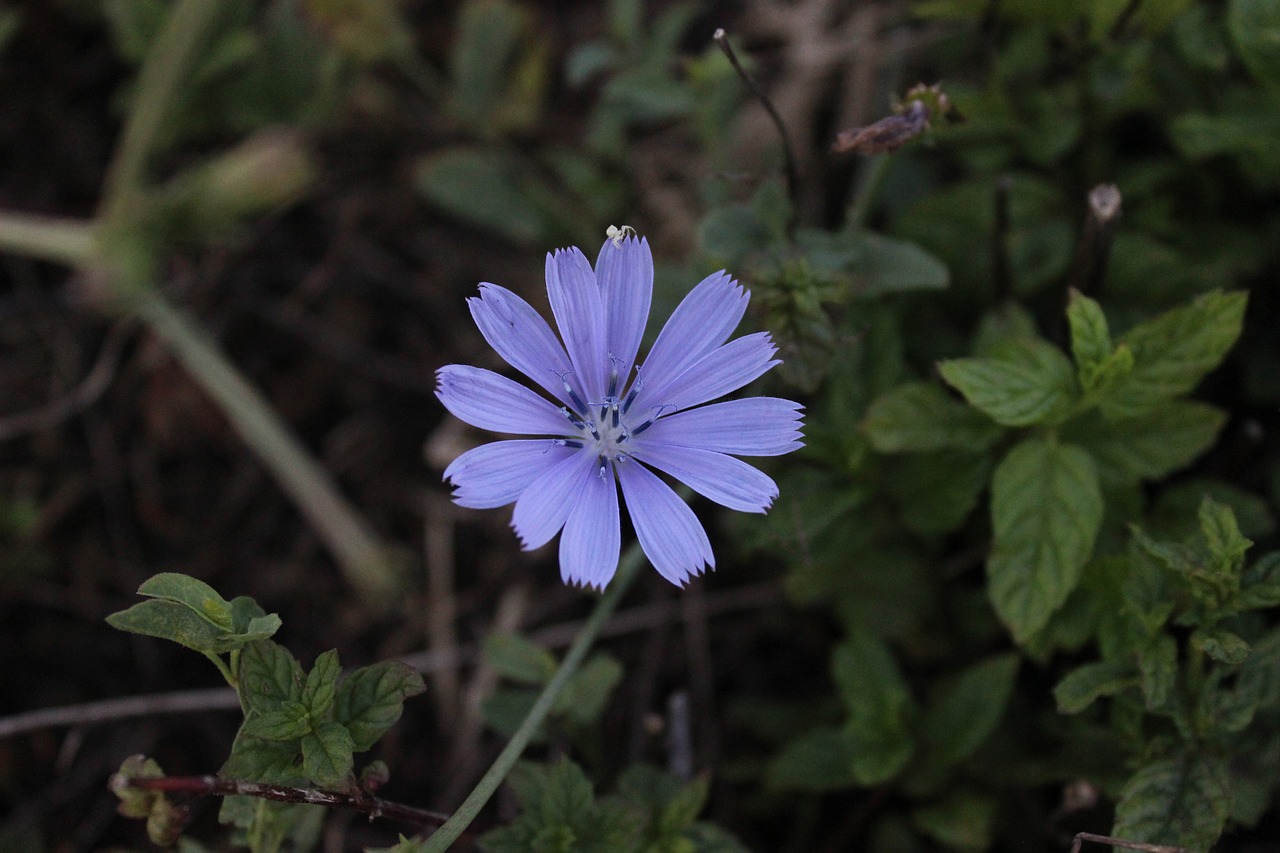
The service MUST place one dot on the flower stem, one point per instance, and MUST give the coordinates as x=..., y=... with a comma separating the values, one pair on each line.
x=64, y=241
x=368, y=565
x=628, y=570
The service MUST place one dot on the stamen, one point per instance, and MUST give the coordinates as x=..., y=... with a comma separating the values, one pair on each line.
x=565, y=442
x=636, y=388
x=573, y=419
x=656, y=414
x=603, y=473
x=573, y=395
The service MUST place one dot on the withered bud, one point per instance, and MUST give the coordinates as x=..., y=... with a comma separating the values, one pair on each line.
x=887, y=134
x=1104, y=203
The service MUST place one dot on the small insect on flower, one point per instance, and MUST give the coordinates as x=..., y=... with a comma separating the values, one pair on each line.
x=617, y=233
x=605, y=420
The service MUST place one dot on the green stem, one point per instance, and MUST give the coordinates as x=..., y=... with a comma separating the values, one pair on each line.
x=868, y=185
x=628, y=569
x=159, y=81
x=63, y=241
x=369, y=566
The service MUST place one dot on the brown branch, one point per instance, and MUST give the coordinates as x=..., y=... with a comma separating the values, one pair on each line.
x=1094, y=249
x=212, y=786
x=1143, y=846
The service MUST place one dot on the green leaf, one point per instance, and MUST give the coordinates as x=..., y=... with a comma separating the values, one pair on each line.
x=1179, y=801
x=962, y=821
x=921, y=416
x=969, y=711
x=887, y=265
x=169, y=620
x=1222, y=645
x=1148, y=446
x=322, y=684
x=519, y=659
x=327, y=755
x=248, y=619
x=254, y=759
x=1222, y=534
x=288, y=723
x=1173, y=352
x=1090, y=337
x=587, y=692
x=483, y=188
x=372, y=698
x=684, y=806
x=1259, y=676
x=1259, y=585
x=567, y=796
x=1255, y=28
x=1046, y=508
x=879, y=708
x=1158, y=670
x=816, y=762
x=1028, y=382
x=1081, y=687
x=936, y=492
x=268, y=677
x=196, y=594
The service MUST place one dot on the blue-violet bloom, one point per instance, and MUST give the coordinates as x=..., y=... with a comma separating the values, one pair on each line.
x=614, y=417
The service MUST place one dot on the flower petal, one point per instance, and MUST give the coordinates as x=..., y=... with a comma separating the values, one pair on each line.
x=625, y=275
x=575, y=300
x=546, y=504
x=485, y=399
x=592, y=538
x=717, y=373
x=517, y=332
x=702, y=321
x=669, y=532
x=495, y=474
x=754, y=426
x=727, y=481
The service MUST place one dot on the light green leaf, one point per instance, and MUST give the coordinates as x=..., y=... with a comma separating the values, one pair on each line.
x=519, y=659
x=327, y=755
x=967, y=714
x=196, y=594
x=1255, y=28
x=322, y=684
x=1148, y=446
x=567, y=797
x=288, y=723
x=254, y=759
x=170, y=620
x=1222, y=534
x=1222, y=645
x=1090, y=337
x=1046, y=508
x=1179, y=801
x=816, y=762
x=1027, y=382
x=1082, y=687
x=372, y=698
x=1173, y=352
x=922, y=416
x=879, y=707
x=268, y=677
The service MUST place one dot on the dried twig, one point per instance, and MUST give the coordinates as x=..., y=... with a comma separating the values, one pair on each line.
x=1094, y=248
x=1143, y=846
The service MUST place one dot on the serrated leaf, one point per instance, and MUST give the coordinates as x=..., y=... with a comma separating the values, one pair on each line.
x=288, y=723
x=1222, y=645
x=816, y=762
x=1028, y=382
x=1090, y=337
x=372, y=698
x=1173, y=352
x=253, y=759
x=567, y=795
x=921, y=416
x=878, y=705
x=1148, y=446
x=1221, y=533
x=1046, y=508
x=1158, y=670
x=322, y=684
x=1179, y=801
x=519, y=659
x=195, y=594
x=1083, y=686
x=1255, y=29
x=327, y=754
x=1259, y=585
x=1259, y=676
x=268, y=677
x=969, y=711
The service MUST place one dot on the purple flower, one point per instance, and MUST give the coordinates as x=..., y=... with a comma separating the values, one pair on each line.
x=616, y=418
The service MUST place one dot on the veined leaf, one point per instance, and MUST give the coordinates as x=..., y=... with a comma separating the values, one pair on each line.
x=879, y=707
x=970, y=710
x=327, y=755
x=1026, y=382
x=372, y=698
x=921, y=416
x=1090, y=338
x=1181, y=801
x=1046, y=508
x=1083, y=686
x=1160, y=442
x=268, y=677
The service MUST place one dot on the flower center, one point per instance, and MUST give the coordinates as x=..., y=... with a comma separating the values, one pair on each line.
x=604, y=426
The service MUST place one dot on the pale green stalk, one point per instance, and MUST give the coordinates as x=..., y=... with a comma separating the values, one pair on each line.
x=63, y=241
x=628, y=569
x=367, y=563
